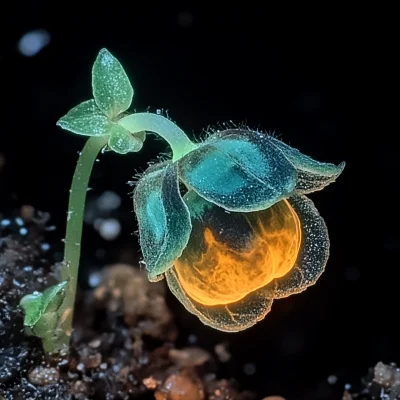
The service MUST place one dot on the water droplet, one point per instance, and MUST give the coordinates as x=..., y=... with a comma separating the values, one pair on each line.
x=110, y=229
x=108, y=201
x=32, y=42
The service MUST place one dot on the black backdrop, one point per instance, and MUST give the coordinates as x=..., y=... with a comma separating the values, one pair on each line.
x=207, y=66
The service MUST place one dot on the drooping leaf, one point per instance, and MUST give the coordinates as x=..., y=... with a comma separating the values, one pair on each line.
x=239, y=170
x=122, y=142
x=163, y=218
x=111, y=87
x=85, y=119
x=312, y=175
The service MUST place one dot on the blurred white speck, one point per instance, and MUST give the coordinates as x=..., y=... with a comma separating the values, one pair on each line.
x=332, y=379
x=249, y=369
x=110, y=229
x=108, y=201
x=19, y=221
x=192, y=339
x=347, y=386
x=23, y=231
x=5, y=222
x=94, y=279
x=45, y=246
x=34, y=41
x=352, y=274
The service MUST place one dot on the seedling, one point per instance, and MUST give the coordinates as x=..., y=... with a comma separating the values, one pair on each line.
x=241, y=235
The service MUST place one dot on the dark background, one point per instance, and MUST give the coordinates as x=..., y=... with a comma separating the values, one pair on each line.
x=207, y=66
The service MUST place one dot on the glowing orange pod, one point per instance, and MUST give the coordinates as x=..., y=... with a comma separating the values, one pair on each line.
x=236, y=264
x=223, y=271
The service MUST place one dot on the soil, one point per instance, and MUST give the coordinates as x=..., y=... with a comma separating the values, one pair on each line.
x=125, y=341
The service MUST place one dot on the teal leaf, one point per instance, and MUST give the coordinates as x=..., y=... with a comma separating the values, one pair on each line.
x=122, y=141
x=85, y=119
x=163, y=218
x=111, y=87
x=238, y=170
x=312, y=175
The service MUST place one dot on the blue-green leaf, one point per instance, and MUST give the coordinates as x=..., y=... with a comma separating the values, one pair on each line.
x=85, y=119
x=122, y=141
x=111, y=87
x=163, y=218
x=312, y=175
x=239, y=170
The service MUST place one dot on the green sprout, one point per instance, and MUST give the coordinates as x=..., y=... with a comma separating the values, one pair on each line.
x=241, y=235
x=104, y=119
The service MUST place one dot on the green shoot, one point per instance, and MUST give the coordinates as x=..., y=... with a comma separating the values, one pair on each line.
x=104, y=119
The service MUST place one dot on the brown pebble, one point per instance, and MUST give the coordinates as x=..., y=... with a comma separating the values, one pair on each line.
x=181, y=387
x=150, y=383
x=273, y=398
x=93, y=361
x=27, y=212
x=42, y=376
x=80, y=387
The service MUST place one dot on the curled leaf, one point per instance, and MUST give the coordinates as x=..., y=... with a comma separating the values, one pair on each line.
x=163, y=218
x=312, y=175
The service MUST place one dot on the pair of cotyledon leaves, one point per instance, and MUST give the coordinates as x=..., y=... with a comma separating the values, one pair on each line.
x=113, y=94
x=239, y=170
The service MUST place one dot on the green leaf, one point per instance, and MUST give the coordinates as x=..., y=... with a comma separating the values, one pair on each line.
x=53, y=297
x=32, y=306
x=111, y=87
x=37, y=304
x=122, y=141
x=85, y=119
x=163, y=218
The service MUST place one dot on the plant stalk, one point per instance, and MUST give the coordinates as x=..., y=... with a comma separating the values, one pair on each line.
x=149, y=122
x=76, y=207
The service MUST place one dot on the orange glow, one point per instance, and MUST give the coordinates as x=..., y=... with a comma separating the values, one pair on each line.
x=224, y=275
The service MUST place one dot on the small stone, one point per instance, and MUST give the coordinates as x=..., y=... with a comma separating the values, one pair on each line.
x=150, y=383
x=94, y=344
x=27, y=212
x=42, y=376
x=181, y=387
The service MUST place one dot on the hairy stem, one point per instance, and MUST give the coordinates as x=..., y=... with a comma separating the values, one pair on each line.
x=72, y=249
x=149, y=122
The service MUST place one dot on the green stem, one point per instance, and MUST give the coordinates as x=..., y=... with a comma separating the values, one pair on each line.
x=176, y=138
x=76, y=207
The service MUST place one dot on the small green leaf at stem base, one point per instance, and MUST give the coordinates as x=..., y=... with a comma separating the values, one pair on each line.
x=85, y=119
x=112, y=90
